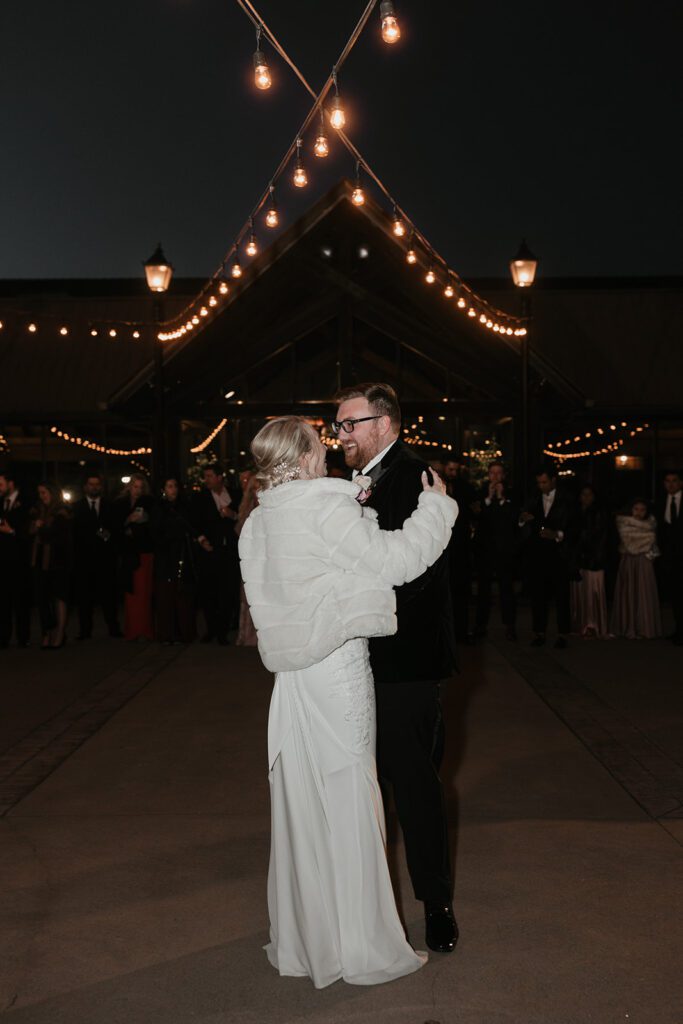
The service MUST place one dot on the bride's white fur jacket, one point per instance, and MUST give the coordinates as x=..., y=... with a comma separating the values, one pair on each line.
x=318, y=571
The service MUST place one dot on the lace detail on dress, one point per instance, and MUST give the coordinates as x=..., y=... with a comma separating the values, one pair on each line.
x=354, y=684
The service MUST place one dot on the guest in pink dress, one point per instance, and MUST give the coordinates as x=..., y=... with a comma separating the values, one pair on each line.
x=636, y=614
x=246, y=636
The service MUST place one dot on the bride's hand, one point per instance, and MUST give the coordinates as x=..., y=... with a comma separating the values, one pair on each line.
x=437, y=486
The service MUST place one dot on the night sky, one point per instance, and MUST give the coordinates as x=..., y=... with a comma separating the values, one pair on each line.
x=131, y=122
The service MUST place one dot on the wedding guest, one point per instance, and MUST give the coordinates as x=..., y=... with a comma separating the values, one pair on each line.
x=635, y=613
x=52, y=563
x=460, y=547
x=246, y=636
x=589, y=558
x=175, y=570
x=95, y=557
x=545, y=522
x=15, y=570
x=214, y=514
x=496, y=546
x=670, y=520
x=133, y=512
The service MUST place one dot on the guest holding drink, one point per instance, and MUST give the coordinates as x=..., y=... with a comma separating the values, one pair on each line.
x=588, y=557
x=636, y=614
x=134, y=509
x=52, y=563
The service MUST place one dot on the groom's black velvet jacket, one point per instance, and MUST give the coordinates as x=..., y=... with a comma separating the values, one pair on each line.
x=424, y=647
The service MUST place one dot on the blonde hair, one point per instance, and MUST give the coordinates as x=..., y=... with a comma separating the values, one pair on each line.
x=278, y=447
x=128, y=488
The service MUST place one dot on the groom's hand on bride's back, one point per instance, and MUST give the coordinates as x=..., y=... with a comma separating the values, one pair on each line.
x=436, y=486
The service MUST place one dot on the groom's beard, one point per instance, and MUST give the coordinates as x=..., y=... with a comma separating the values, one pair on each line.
x=357, y=455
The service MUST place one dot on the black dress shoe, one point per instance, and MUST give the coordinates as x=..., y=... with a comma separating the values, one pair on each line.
x=560, y=643
x=441, y=930
x=538, y=640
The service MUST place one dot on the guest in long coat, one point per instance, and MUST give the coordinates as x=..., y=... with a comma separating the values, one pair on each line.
x=175, y=567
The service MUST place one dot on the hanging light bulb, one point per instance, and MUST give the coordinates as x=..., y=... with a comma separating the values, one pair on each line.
x=252, y=247
x=272, y=219
x=471, y=311
x=262, y=78
x=300, y=177
x=223, y=288
x=337, y=113
x=430, y=276
x=358, y=195
x=461, y=303
x=398, y=227
x=448, y=291
x=236, y=268
x=411, y=255
x=322, y=146
x=391, y=33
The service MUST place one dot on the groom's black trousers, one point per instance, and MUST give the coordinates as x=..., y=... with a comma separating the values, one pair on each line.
x=410, y=741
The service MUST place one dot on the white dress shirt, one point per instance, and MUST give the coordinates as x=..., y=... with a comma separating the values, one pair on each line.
x=673, y=499
x=8, y=503
x=222, y=499
x=96, y=503
x=374, y=462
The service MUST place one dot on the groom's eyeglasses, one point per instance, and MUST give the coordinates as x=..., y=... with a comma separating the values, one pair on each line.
x=348, y=425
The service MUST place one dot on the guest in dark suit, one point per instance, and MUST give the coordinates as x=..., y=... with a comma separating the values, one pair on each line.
x=15, y=570
x=96, y=545
x=409, y=666
x=545, y=522
x=496, y=546
x=670, y=523
x=460, y=547
x=175, y=567
x=51, y=530
x=214, y=514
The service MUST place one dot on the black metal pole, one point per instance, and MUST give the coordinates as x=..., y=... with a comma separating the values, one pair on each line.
x=159, y=432
x=526, y=316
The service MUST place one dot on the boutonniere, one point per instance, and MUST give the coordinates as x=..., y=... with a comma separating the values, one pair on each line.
x=365, y=485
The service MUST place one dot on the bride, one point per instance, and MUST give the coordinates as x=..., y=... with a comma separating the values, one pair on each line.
x=319, y=577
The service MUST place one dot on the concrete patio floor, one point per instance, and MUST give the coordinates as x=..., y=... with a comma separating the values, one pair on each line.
x=134, y=843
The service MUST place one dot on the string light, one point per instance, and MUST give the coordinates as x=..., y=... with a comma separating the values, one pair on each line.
x=32, y=328
x=272, y=218
x=337, y=112
x=449, y=291
x=209, y=438
x=262, y=78
x=322, y=145
x=430, y=276
x=553, y=446
x=63, y=331
x=235, y=271
x=300, y=177
x=358, y=195
x=391, y=32
x=397, y=225
x=94, y=446
x=223, y=288
x=252, y=247
x=113, y=332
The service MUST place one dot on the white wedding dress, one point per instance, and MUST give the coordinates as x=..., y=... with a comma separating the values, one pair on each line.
x=331, y=904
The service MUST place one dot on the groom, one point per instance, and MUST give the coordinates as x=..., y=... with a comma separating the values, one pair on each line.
x=407, y=667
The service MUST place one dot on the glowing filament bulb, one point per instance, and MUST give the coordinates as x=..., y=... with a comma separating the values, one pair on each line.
x=398, y=227
x=213, y=301
x=272, y=219
x=63, y=331
x=322, y=146
x=236, y=268
x=337, y=113
x=430, y=276
x=262, y=78
x=300, y=178
x=411, y=256
x=32, y=328
x=471, y=312
x=448, y=291
x=223, y=288
x=482, y=318
x=252, y=246
x=195, y=320
x=358, y=196
x=203, y=311
x=461, y=303
x=391, y=32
